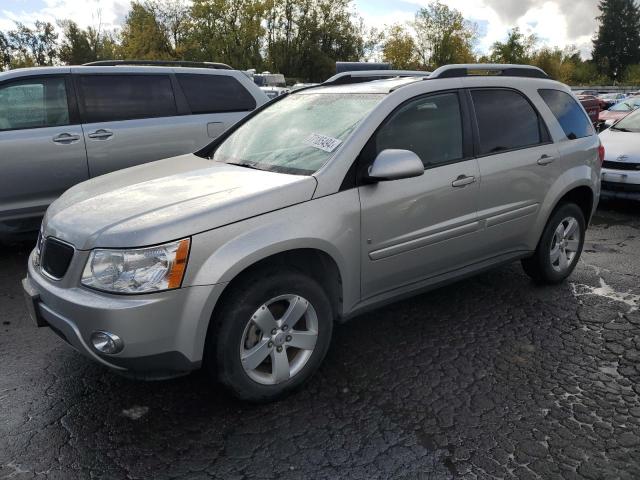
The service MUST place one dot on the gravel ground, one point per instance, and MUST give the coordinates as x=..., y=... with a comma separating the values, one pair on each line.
x=489, y=377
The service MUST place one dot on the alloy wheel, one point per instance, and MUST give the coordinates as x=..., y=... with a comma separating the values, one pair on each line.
x=279, y=339
x=565, y=244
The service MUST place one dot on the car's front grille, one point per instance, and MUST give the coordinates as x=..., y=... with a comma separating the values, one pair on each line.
x=55, y=257
x=621, y=165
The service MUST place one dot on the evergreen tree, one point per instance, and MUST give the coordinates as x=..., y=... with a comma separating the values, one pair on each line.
x=617, y=42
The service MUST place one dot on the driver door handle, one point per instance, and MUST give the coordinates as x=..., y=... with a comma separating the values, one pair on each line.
x=66, y=138
x=101, y=134
x=463, y=181
x=545, y=160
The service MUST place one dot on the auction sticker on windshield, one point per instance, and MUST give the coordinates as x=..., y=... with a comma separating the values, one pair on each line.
x=328, y=144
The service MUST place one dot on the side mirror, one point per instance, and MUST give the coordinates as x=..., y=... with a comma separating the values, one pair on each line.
x=394, y=164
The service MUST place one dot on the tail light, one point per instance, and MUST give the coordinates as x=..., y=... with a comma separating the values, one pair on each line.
x=601, y=153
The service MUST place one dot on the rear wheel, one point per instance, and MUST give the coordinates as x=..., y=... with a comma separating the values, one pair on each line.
x=270, y=335
x=560, y=246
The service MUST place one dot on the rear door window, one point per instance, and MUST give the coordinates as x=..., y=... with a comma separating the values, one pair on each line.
x=215, y=93
x=506, y=121
x=571, y=117
x=108, y=98
x=33, y=103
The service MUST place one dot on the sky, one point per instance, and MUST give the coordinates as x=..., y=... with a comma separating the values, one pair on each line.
x=556, y=22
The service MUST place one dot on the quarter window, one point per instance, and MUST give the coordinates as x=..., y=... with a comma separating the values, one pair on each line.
x=108, y=98
x=33, y=103
x=215, y=93
x=506, y=121
x=571, y=117
x=431, y=127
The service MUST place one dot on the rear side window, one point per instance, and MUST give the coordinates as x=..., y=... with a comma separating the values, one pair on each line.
x=215, y=93
x=108, y=98
x=33, y=103
x=572, y=119
x=506, y=121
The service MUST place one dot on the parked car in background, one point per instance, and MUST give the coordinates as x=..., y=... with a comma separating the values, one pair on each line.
x=274, y=92
x=593, y=93
x=592, y=106
x=62, y=125
x=610, y=99
x=621, y=168
x=268, y=79
x=325, y=204
x=300, y=85
x=617, y=112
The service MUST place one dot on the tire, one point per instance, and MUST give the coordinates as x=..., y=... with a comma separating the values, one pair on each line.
x=260, y=302
x=559, y=249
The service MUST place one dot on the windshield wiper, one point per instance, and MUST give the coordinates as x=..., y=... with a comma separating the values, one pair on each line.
x=620, y=129
x=245, y=165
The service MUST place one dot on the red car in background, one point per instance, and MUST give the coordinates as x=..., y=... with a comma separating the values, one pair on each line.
x=592, y=105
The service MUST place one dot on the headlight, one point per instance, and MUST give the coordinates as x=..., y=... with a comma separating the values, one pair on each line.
x=138, y=270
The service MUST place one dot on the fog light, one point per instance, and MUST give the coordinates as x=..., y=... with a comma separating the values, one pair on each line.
x=106, y=342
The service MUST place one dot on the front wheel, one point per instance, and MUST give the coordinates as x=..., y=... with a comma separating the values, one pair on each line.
x=560, y=246
x=271, y=334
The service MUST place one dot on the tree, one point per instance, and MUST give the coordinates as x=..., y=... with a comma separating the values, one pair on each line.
x=632, y=75
x=174, y=18
x=5, y=52
x=558, y=64
x=399, y=49
x=228, y=31
x=517, y=49
x=143, y=37
x=75, y=48
x=443, y=36
x=304, y=38
x=617, y=42
x=33, y=46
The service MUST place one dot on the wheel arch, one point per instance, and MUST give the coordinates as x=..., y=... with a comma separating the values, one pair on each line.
x=319, y=264
x=580, y=191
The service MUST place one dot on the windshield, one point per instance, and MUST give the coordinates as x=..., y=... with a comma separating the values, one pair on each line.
x=626, y=105
x=630, y=123
x=298, y=134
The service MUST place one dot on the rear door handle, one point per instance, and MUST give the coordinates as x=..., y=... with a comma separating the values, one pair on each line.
x=545, y=160
x=101, y=134
x=463, y=181
x=66, y=138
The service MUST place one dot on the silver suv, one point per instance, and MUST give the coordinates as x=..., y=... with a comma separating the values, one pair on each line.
x=324, y=204
x=62, y=125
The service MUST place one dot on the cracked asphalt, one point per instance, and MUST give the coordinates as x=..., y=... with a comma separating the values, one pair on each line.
x=489, y=377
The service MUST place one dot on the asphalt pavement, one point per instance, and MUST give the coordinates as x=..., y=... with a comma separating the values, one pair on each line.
x=488, y=377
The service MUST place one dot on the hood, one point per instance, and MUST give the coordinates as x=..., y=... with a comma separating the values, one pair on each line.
x=166, y=200
x=621, y=146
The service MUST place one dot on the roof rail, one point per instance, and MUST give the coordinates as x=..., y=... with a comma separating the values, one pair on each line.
x=362, y=76
x=488, y=69
x=159, y=63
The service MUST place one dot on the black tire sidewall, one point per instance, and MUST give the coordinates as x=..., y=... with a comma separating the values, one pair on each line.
x=236, y=313
x=543, y=259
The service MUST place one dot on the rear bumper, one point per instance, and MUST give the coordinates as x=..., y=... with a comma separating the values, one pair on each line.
x=163, y=333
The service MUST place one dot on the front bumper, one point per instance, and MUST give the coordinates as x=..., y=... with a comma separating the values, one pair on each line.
x=163, y=332
x=621, y=184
